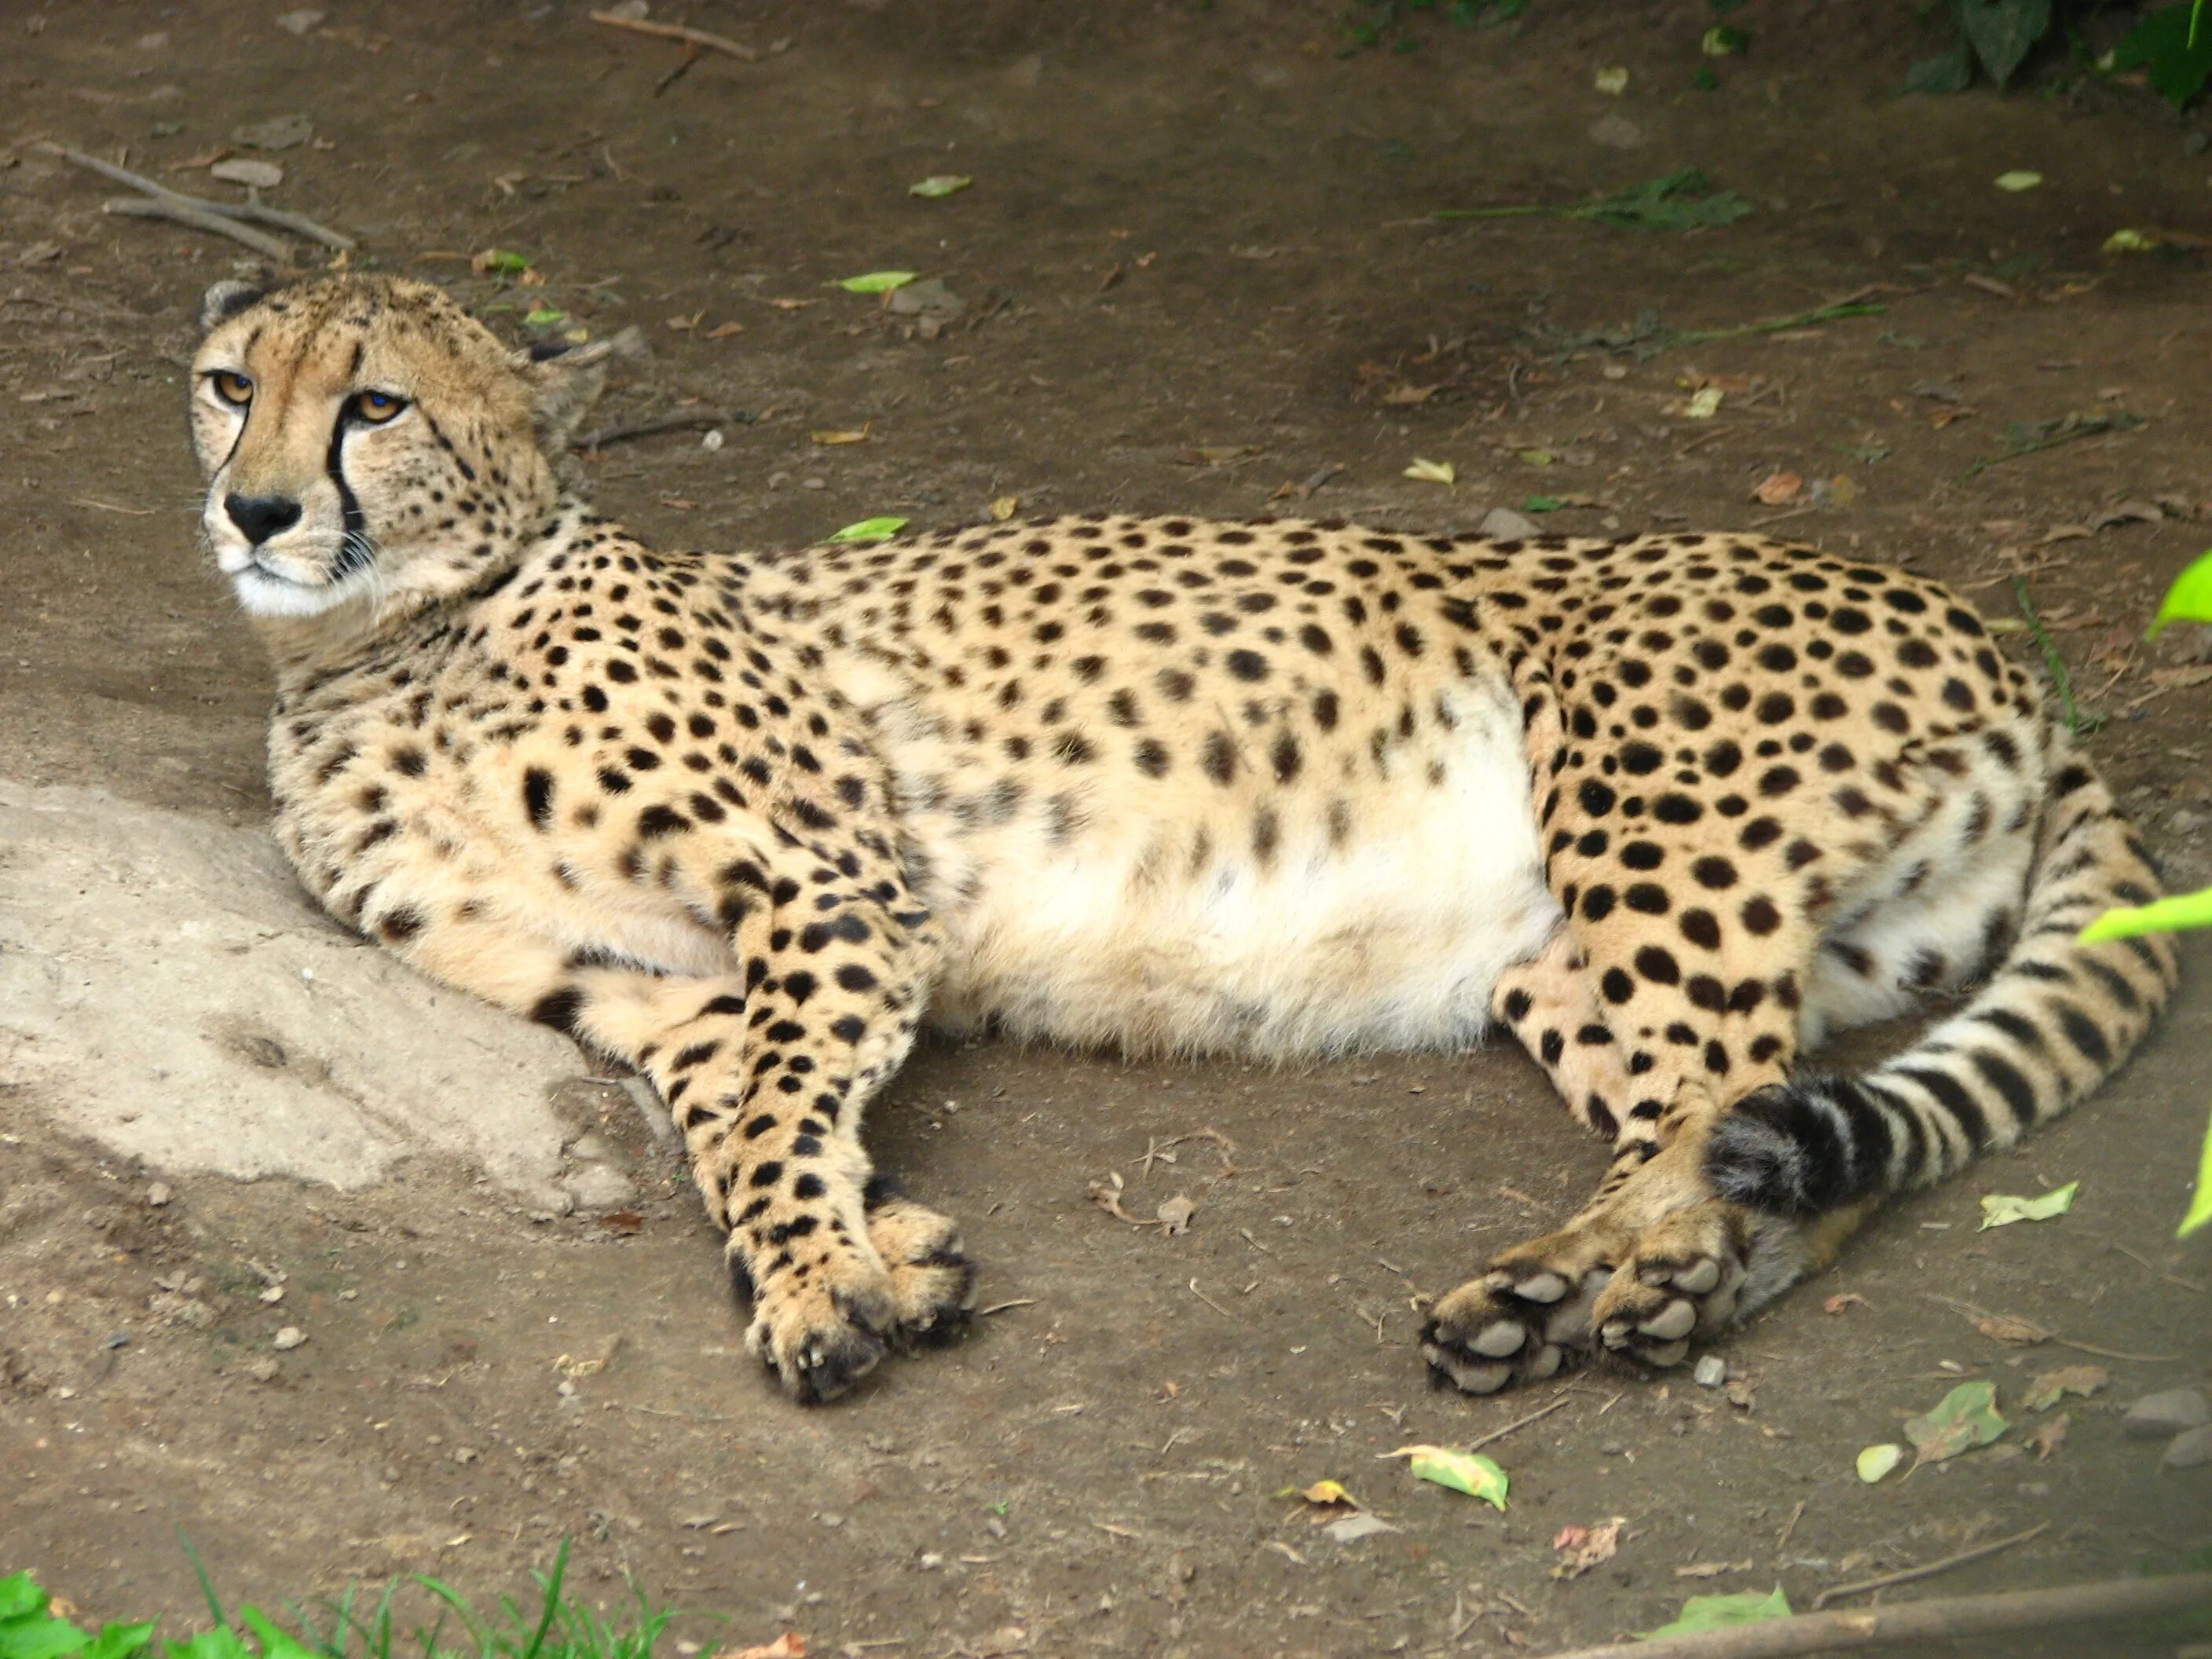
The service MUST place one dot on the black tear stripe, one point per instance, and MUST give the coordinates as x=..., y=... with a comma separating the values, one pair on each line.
x=353, y=548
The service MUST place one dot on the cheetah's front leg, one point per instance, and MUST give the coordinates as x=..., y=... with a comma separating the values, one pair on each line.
x=766, y=1072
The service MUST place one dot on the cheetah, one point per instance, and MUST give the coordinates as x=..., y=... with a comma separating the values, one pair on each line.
x=1667, y=807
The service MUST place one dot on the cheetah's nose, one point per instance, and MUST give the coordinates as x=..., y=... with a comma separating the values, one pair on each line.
x=261, y=517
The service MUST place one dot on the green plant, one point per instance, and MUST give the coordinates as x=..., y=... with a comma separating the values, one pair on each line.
x=2190, y=600
x=551, y=1625
x=2173, y=45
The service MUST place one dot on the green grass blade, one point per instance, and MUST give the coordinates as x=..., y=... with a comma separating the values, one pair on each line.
x=552, y=1602
x=207, y=1584
x=2164, y=915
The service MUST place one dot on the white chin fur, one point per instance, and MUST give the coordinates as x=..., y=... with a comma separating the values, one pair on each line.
x=260, y=594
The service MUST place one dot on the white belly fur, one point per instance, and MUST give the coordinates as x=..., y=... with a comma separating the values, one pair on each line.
x=1394, y=940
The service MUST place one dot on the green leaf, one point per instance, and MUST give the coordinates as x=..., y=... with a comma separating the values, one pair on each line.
x=2178, y=58
x=1966, y=1417
x=221, y=1643
x=2190, y=598
x=38, y=1637
x=2164, y=915
x=1467, y=1471
x=940, y=183
x=1947, y=71
x=876, y=282
x=544, y=317
x=1705, y=1613
x=2003, y=1209
x=21, y=1597
x=120, y=1641
x=869, y=530
x=276, y=1644
x=2018, y=181
x=1723, y=41
x=2200, y=1207
x=1543, y=504
x=505, y=262
x=2003, y=32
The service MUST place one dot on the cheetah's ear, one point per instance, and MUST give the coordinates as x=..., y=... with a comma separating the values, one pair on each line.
x=225, y=301
x=564, y=383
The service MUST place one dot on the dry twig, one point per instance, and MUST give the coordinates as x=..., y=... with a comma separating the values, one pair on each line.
x=199, y=212
x=1908, y=1575
x=678, y=32
x=1938, y=1619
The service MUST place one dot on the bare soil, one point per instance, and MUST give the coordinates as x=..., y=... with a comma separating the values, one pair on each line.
x=1192, y=276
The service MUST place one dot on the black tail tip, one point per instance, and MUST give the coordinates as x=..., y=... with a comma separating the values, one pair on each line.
x=1784, y=1152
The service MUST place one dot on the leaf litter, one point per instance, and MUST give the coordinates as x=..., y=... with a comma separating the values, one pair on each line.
x=1464, y=1472
x=1587, y=1547
x=1963, y=1418
x=2049, y=1388
x=2003, y=1209
x=1704, y=1612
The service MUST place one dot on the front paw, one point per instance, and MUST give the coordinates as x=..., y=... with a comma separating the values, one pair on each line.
x=821, y=1333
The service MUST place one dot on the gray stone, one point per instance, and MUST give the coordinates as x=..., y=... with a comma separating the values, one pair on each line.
x=1616, y=132
x=1710, y=1372
x=1506, y=524
x=2190, y=1450
x=2158, y=1416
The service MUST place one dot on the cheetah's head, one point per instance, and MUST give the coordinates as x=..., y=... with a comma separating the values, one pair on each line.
x=365, y=439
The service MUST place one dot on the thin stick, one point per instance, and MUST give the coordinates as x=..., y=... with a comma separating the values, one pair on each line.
x=178, y=212
x=253, y=210
x=1790, y=1526
x=1004, y=1307
x=1517, y=1423
x=1938, y=1619
x=1209, y=1301
x=1907, y=1575
x=687, y=420
x=678, y=32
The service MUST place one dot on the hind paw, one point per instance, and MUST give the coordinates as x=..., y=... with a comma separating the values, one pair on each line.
x=1681, y=1278
x=1524, y=1319
x=932, y=1279
x=1632, y=1292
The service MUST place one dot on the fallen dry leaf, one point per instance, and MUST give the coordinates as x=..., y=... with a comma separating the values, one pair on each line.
x=2175, y=679
x=1587, y=1547
x=1777, y=488
x=1005, y=506
x=2048, y=1389
x=621, y=1221
x=1836, y=1304
x=1711, y=1569
x=2049, y=1436
x=2006, y=1327
x=834, y=438
x=723, y=330
x=789, y=1646
x=1326, y=1495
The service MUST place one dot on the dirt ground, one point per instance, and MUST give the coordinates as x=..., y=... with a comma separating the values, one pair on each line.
x=1192, y=274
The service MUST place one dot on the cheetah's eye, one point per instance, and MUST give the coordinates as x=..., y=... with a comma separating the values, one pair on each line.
x=376, y=407
x=233, y=388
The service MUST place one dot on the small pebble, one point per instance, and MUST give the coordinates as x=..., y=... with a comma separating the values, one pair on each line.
x=814, y=484
x=713, y=441
x=263, y=1369
x=290, y=1338
x=2159, y=1416
x=1710, y=1372
x=1506, y=524
x=2190, y=1450
x=158, y=1195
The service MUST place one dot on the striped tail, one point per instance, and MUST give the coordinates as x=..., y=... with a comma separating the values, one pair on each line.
x=2056, y=1018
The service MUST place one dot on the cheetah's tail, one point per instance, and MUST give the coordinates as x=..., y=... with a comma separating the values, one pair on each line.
x=2057, y=1017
